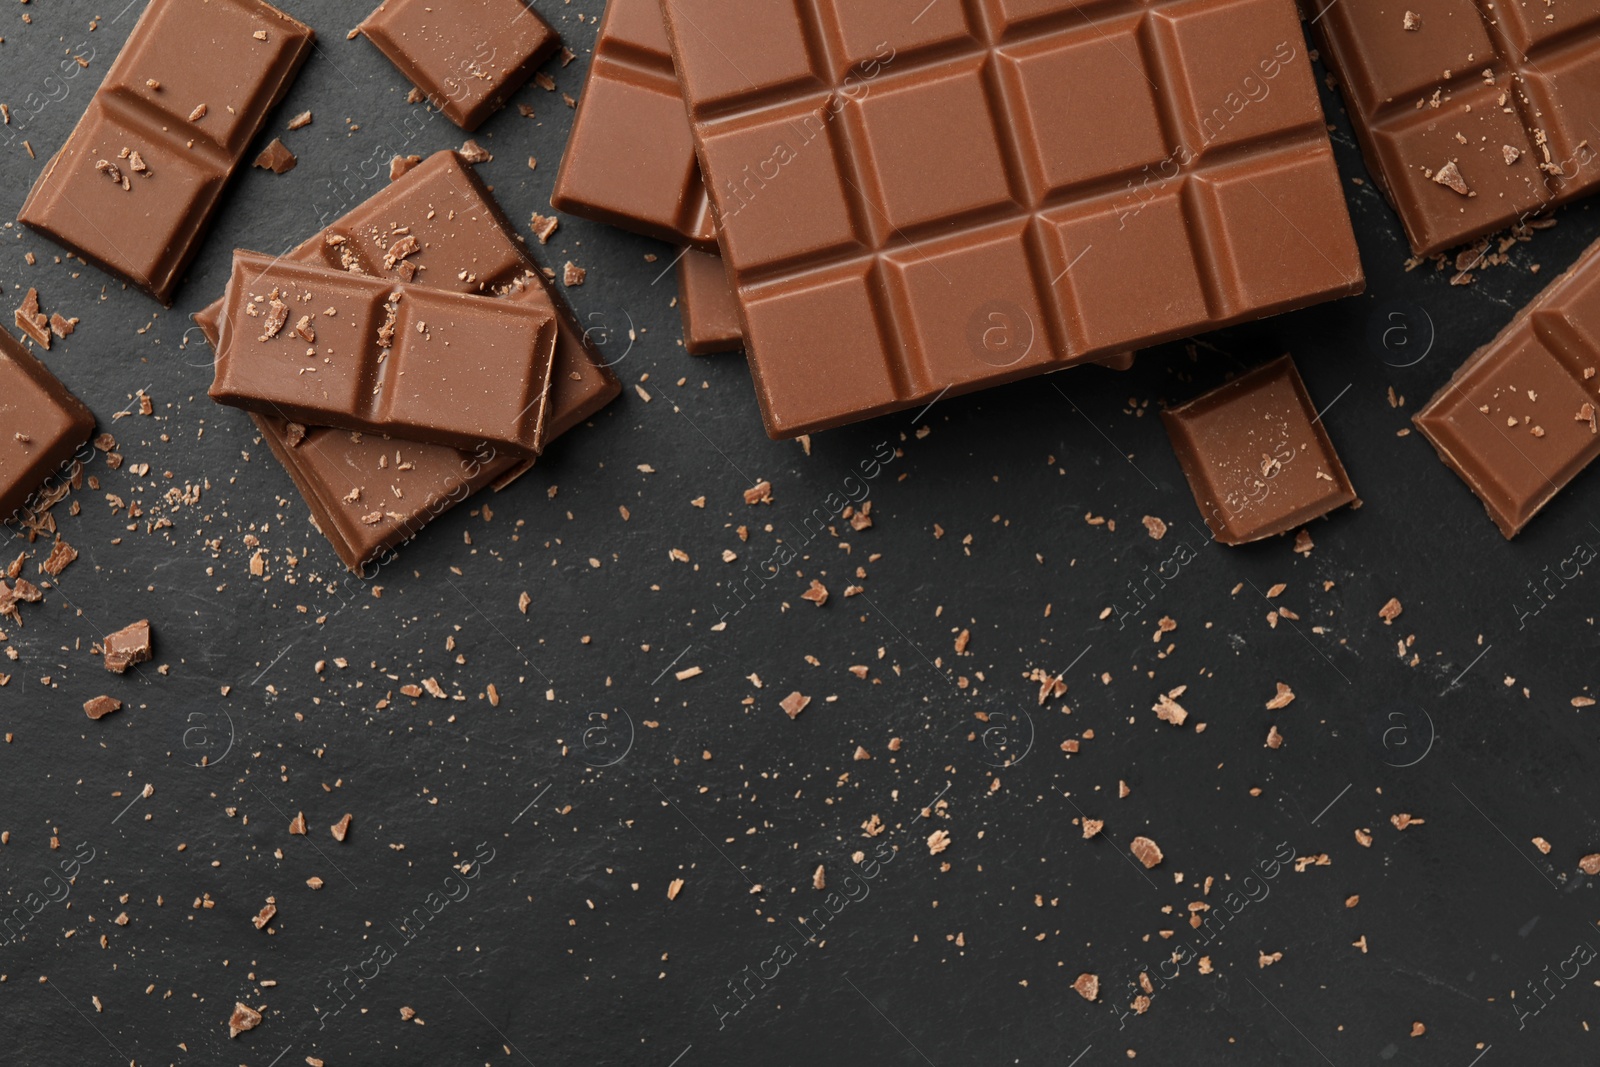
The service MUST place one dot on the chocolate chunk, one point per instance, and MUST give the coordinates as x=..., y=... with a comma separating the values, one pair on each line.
x=629, y=161
x=953, y=215
x=706, y=302
x=1517, y=420
x=341, y=829
x=101, y=706
x=127, y=646
x=41, y=425
x=470, y=247
x=1505, y=92
x=243, y=1018
x=1258, y=459
x=442, y=367
x=147, y=232
x=467, y=57
x=277, y=158
x=31, y=322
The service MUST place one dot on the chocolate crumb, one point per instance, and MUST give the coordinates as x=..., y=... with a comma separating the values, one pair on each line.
x=277, y=158
x=127, y=646
x=101, y=706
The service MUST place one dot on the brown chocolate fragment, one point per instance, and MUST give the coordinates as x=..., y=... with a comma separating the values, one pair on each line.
x=629, y=161
x=297, y=825
x=31, y=322
x=243, y=1018
x=467, y=58
x=341, y=828
x=101, y=706
x=42, y=427
x=1517, y=420
x=128, y=646
x=147, y=230
x=1146, y=851
x=1257, y=457
x=277, y=158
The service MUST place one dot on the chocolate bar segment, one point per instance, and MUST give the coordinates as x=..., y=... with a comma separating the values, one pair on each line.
x=1257, y=457
x=1518, y=420
x=917, y=199
x=332, y=348
x=630, y=159
x=369, y=494
x=41, y=425
x=467, y=56
x=706, y=302
x=134, y=188
x=1473, y=115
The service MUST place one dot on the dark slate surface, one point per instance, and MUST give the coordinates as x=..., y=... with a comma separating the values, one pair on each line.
x=564, y=947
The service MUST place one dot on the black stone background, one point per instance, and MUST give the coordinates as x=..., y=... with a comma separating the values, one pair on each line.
x=566, y=949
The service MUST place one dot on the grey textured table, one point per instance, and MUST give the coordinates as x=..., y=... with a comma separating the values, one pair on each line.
x=607, y=771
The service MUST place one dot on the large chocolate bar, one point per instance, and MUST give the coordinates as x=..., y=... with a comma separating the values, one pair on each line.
x=368, y=493
x=1473, y=115
x=133, y=189
x=467, y=56
x=333, y=348
x=41, y=425
x=1518, y=420
x=630, y=159
x=1257, y=457
x=918, y=198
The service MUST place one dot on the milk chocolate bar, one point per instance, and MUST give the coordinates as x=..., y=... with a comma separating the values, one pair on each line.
x=333, y=348
x=915, y=200
x=630, y=160
x=41, y=425
x=1257, y=457
x=1473, y=115
x=467, y=56
x=369, y=494
x=706, y=302
x=134, y=188
x=1518, y=420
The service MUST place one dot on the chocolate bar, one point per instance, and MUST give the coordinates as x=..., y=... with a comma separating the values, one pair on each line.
x=1517, y=421
x=369, y=494
x=706, y=302
x=1257, y=457
x=333, y=348
x=467, y=56
x=134, y=188
x=630, y=160
x=914, y=201
x=41, y=425
x=1472, y=115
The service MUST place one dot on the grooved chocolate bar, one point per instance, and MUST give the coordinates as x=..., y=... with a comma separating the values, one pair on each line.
x=630, y=160
x=467, y=56
x=1518, y=420
x=332, y=348
x=919, y=198
x=706, y=302
x=41, y=425
x=1257, y=457
x=368, y=493
x=133, y=189
x=1472, y=114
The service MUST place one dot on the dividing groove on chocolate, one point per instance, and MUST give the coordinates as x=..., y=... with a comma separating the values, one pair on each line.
x=1257, y=457
x=918, y=199
x=329, y=347
x=630, y=161
x=41, y=425
x=133, y=189
x=369, y=494
x=1506, y=92
x=1518, y=420
x=466, y=56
